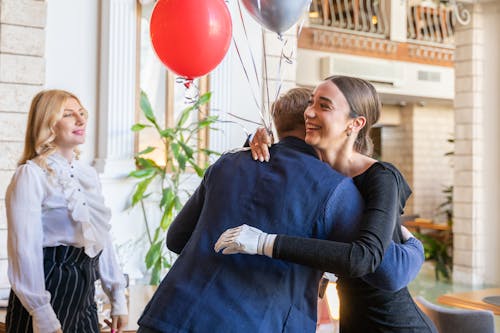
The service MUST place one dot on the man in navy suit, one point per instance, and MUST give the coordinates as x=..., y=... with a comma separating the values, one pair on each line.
x=294, y=194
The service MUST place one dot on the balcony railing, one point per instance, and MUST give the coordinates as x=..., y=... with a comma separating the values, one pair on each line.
x=364, y=16
x=429, y=22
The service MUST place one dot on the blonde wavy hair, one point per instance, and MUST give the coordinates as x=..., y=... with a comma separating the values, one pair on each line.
x=45, y=111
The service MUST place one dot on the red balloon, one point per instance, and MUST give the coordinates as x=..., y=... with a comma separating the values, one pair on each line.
x=191, y=37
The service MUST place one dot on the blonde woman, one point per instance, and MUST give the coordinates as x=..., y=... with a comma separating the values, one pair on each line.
x=58, y=227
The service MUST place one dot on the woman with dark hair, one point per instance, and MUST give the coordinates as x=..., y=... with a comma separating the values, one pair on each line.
x=341, y=112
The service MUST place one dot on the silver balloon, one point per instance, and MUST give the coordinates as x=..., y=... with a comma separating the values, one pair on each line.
x=276, y=15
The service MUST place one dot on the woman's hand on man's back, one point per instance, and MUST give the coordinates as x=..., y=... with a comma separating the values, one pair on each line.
x=260, y=144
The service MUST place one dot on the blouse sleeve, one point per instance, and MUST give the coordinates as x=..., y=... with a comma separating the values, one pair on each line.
x=400, y=266
x=112, y=280
x=24, y=199
x=363, y=255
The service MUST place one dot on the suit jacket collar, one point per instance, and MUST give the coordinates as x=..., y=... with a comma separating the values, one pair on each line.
x=298, y=144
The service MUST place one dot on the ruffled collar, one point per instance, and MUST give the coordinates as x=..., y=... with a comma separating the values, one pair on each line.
x=80, y=186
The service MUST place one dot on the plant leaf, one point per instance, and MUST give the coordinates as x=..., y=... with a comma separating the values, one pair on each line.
x=180, y=157
x=147, y=109
x=139, y=127
x=175, y=149
x=148, y=163
x=146, y=151
x=207, y=121
x=188, y=150
x=155, y=274
x=141, y=188
x=167, y=196
x=156, y=235
x=142, y=173
x=153, y=255
x=168, y=133
x=196, y=167
x=184, y=116
x=210, y=152
x=182, y=162
x=166, y=219
x=178, y=204
x=204, y=99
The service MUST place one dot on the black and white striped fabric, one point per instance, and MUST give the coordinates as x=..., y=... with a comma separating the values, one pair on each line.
x=69, y=277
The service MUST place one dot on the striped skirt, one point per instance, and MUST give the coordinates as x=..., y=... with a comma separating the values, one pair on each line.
x=69, y=277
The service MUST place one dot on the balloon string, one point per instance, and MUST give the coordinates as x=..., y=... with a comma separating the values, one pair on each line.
x=248, y=78
x=248, y=44
x=241, y=118
x=301, y=25
x=184, y=80
x=266, y=124
x=288, y=59
x=192, y=93
x=259, y=107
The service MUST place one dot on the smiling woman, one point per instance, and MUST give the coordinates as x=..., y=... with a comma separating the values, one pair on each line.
x=70, y=129
x=338, y=119
x=58, y=227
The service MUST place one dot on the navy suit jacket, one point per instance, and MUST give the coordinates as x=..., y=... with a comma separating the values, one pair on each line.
x=294, y=194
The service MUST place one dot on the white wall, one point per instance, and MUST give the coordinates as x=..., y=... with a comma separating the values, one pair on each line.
x=71, y=53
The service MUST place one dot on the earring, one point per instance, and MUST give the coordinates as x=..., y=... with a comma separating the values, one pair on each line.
x=349, y=131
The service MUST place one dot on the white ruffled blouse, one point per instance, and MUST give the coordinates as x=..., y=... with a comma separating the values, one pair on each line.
x=65, y=207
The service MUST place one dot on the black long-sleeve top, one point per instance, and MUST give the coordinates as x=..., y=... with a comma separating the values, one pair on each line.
x=385, y=193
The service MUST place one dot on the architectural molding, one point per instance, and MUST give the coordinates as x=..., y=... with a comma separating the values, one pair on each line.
x=328, y=40
x=117, y=94
x=461, y=14
x=431, y=53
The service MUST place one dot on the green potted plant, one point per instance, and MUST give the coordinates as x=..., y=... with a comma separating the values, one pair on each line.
x=180, y=152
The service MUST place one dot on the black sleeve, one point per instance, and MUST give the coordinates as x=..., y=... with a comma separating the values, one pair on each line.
x=247, y=141
x=363, y=255
x=183, y=225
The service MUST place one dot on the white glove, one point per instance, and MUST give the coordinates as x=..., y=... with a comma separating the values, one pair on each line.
x=406, y=233
x=245, y=239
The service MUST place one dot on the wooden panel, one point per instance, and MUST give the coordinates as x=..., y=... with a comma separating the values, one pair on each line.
x=426, y=225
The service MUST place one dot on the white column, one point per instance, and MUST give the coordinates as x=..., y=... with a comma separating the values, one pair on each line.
x=117, y=102
x=398, y=20
x=472, y=257
x=491, y=115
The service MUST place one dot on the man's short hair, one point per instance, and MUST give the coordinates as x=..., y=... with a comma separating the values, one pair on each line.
x=288, y=110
